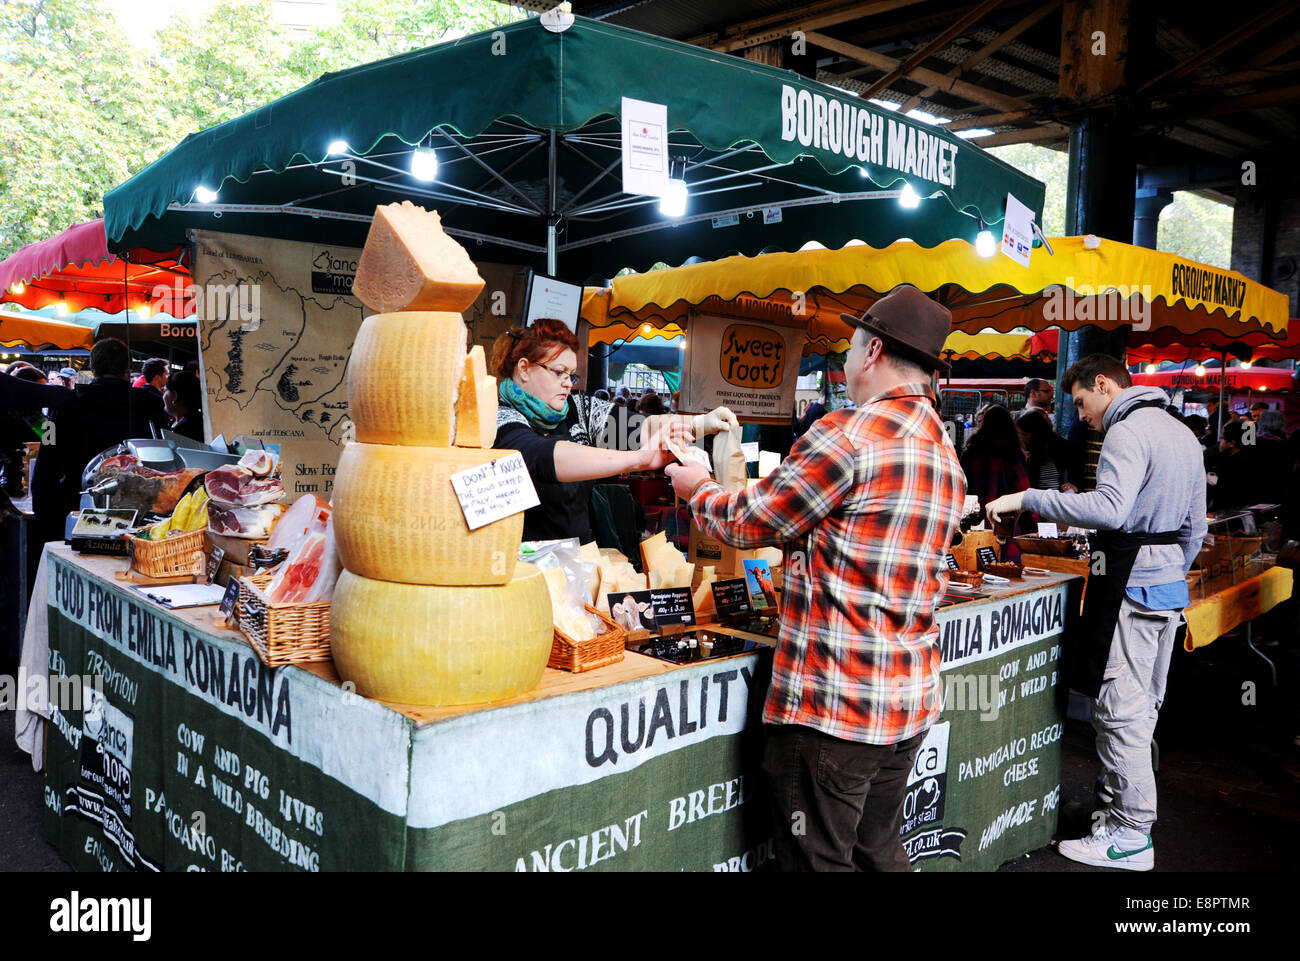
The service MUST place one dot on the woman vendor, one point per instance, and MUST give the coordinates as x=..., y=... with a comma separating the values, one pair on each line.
x=544, y=417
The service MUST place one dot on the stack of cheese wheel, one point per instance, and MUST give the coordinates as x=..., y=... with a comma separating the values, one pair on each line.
x=426, y=611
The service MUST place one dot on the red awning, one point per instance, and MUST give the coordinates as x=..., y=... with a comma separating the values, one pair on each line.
x=75, y=268
x=1147, y=347
x=1239, y=380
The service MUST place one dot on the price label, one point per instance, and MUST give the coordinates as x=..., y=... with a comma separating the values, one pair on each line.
x=227, y=605
x=494, y=490
x=214, y=563
x=1047, y=529
x=672, y=606
x=731, y=597
x=986, y=556
x=951, y=562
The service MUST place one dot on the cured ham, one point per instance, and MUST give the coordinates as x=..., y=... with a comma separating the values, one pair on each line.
x=260, y=462
x=239, y=487
x=143, y=489
x=308, y=514
x=243, y=521
x=310, y=571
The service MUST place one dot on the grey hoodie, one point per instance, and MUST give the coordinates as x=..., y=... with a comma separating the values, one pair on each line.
x=1151, y=478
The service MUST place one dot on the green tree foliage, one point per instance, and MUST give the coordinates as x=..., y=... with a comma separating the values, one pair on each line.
x=1198, y=229
x=82, y=108
x=1049, y=166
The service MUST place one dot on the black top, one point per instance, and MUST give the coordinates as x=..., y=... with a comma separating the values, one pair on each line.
x=191, y=426
x=565, y=508
x=101, y=415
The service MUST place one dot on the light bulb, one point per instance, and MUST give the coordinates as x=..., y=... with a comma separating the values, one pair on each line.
x=1245, y=365
x=424, y=164
x=909, y=199
x=205, y=196
x=985, y=245
x=1200, y=370
x=144, y=311
x=1151, y=368
x=337, y=147
x=61, y=308
x=646, y=329
x=17, y=287
x=673, y=201
x=682, y=344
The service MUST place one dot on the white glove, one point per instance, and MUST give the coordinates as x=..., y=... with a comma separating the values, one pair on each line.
x=715, y=421
x=1007, y=504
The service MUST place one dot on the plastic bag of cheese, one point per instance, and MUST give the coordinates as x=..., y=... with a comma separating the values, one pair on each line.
x=571, y=581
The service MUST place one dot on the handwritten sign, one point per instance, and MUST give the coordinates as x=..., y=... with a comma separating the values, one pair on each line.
x=214, y=563
x=228, y=599
x=494, y=490
x=986, y=556
x=951, y=562
x=1046, y=529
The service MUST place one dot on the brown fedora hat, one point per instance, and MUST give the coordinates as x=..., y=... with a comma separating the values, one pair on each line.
x=910, y=323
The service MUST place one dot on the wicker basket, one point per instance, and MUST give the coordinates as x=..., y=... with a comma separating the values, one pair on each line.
x=171, y=557
x=282, y=633
x=608, y=647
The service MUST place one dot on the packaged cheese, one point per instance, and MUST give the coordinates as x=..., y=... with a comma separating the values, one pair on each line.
x=408, y=263
x=396, y=517
x=441, y=646
x=404, y=378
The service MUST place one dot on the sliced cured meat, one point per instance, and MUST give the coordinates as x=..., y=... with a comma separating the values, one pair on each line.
x=243, y=521
x=237, y=487
x=308, y=514
x=260, y=462
x=111, y=465
x=309, y=572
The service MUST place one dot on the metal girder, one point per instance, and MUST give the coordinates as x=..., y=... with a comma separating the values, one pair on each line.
x=904, y=69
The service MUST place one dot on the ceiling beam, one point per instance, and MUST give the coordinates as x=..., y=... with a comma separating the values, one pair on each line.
x=1029, y=135
x=958, y=88
x=1269, y=54
x=979, y=56
x=1224, y=44
x=779, y=26
x=988, y=120
x=954, y=30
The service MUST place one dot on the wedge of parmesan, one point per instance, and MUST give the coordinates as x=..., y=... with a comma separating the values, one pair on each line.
x=408, y=263
x=476, y=403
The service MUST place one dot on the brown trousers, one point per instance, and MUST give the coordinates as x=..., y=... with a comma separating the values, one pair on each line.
x=836, y=805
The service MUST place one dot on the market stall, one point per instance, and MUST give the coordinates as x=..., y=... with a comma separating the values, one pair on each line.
x=641, y=766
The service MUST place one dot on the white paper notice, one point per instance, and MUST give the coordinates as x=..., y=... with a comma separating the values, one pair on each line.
x=645, y=147
x=1046, y=529
x=1018, y=231
x=554, y=298
x=495, y=490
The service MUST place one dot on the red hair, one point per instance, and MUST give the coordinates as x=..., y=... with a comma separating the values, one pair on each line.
x=543, y=340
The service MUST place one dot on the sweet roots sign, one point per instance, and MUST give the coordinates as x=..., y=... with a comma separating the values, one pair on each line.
x=192, y=755
x=742, y=364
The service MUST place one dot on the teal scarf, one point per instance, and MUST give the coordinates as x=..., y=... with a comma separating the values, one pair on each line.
x=540, y=414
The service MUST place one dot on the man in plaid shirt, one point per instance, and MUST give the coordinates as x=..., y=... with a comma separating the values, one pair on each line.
x=865, y=508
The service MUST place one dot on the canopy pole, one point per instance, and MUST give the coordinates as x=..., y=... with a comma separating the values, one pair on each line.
x=552, y=221
x=1223, y=379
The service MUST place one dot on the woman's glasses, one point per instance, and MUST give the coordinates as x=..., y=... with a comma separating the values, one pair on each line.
x=564, y=376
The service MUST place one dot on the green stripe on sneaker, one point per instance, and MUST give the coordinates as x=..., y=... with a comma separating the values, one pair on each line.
x=1120, y=855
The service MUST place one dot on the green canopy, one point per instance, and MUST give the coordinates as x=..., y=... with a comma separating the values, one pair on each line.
x=525, y=123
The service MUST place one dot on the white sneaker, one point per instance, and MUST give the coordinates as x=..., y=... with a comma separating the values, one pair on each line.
x=1114, y=846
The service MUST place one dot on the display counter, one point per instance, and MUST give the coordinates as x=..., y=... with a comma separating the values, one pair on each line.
x=198, y=757
x=1227, y=602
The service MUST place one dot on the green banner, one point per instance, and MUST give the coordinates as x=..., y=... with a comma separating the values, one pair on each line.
x=173, y=748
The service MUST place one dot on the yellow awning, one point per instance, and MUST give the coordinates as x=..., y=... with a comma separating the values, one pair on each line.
x=1087, y=281
x=36, y=332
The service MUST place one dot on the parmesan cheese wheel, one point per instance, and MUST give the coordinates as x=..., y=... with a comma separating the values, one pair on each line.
x=476, y=404
x=396, y=517
x=408, y=263
x=404, y=377
x=440, y=646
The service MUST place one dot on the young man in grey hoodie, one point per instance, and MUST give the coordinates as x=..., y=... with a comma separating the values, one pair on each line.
x=1149, y=513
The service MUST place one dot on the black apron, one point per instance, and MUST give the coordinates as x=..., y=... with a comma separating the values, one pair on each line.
x=1087, y=647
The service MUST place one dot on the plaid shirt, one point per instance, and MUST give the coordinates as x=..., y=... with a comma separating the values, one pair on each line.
x=864, y=508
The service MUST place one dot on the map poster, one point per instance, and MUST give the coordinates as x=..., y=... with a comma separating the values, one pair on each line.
x=276, y=326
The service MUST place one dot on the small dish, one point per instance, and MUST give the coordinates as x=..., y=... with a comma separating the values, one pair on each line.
x=959, y=587
x=1035, y=572
x=994, y=579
